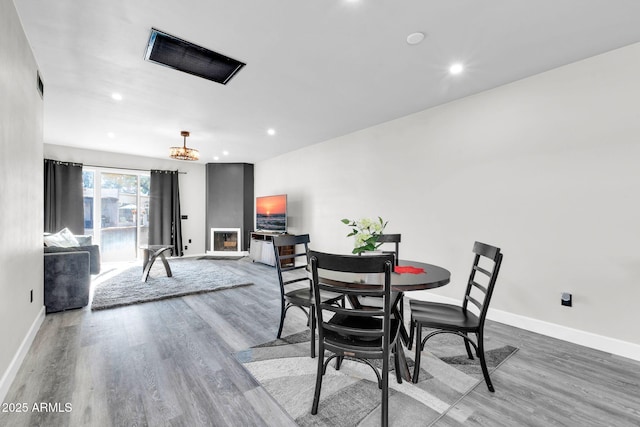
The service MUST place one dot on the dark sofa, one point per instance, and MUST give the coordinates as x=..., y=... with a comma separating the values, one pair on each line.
x=67, y=274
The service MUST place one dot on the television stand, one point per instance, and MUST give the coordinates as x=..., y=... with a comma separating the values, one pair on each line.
x=261, y=248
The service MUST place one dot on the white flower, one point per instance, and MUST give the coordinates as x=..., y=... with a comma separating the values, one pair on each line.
x=365, y=223
x=365, y=232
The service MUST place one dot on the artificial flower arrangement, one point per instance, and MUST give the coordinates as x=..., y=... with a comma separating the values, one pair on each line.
x=366, y=232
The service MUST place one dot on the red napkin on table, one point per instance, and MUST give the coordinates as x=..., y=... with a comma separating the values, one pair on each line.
x=408, y=269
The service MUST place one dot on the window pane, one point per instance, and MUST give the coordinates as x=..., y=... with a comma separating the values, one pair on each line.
x=118, y=217
x=88, y=194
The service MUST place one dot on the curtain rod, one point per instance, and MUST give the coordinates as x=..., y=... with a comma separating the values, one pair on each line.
x=131, y=169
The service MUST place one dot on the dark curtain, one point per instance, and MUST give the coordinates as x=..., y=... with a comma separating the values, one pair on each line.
x=165, y=227
x=63, y=198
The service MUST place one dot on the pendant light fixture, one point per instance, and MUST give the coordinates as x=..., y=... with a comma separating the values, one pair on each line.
x=184, y=153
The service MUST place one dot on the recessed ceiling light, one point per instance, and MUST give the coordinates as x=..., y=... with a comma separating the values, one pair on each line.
x=456, y=68
x=226, y=153
x=116, y=96
x=111, y=135
x=415, y=38
x=271, y=131
x=216, y=158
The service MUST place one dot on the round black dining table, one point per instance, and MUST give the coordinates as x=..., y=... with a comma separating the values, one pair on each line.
x=432, y=277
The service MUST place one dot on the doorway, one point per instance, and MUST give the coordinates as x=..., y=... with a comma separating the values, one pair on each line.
x=116, y=212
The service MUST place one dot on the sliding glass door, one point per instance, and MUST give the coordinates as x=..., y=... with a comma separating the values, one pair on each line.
x=116, y=207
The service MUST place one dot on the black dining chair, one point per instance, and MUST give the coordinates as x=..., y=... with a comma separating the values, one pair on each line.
x=395, y=239
x=360, y=334
x=460, y=320
x=289, y=248
x=392, y=238
x=385, y=238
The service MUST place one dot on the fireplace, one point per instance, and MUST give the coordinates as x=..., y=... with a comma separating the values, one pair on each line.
x=226, y=241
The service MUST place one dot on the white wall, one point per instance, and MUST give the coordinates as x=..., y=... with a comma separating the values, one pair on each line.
x=192, y=184
x=21, y=197
x=546, y=168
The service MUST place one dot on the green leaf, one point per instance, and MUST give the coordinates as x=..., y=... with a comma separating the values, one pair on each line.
x=345, y=221
x=383, y=223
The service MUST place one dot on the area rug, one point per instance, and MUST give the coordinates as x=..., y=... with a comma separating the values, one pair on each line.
x=221, y=258
x=190, y=276
x=350, y=396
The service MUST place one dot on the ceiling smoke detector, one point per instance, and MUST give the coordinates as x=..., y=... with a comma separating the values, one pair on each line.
x=415, y=38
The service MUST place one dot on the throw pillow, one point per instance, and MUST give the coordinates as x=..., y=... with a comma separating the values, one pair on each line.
x=63, y=238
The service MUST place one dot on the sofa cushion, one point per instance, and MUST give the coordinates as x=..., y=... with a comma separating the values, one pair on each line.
x=63, y=239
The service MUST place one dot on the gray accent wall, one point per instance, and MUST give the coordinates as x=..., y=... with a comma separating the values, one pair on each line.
x=230, y=199
x=21, y=196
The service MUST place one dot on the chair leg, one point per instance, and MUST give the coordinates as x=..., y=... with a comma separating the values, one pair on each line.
x=397, y=363
x=468, y=347
x=412, y=326
x=339, y=360
x=319, y=374
x=483, y=363
x=416, y=367
x=385, y=391
x=282, y=314
x=313, y=331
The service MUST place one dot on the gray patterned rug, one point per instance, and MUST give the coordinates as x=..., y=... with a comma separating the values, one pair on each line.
x=190, y=276
x=350, y=396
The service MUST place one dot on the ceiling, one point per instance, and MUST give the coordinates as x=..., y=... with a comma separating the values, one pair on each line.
x=315, y=69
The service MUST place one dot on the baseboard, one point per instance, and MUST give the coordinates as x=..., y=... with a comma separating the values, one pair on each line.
x=11, y=372
x=565, y=333
x=575, y=336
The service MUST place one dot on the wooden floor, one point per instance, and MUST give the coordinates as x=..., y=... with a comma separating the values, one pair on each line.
x=171, y=363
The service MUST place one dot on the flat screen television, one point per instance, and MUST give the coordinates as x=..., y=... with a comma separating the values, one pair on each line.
x=271, y=213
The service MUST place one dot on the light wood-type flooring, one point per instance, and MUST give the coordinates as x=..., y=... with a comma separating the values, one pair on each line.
x=171, y=363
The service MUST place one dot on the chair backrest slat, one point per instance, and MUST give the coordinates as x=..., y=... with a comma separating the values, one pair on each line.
x=361, y=332
x=479, y=286
x=290, y=239
x=291, y=268
x=482, y=270
x=365, y=290
x=485, y=250
x=474, y=301
x=291, y=256
x=352, y=312
x=296, y=280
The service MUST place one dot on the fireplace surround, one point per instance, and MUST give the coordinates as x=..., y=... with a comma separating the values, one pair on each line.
x=226, y=242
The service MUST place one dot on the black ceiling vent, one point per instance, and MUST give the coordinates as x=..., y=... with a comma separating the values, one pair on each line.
x=165, y=49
